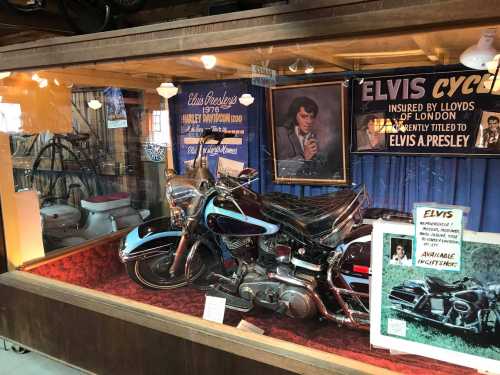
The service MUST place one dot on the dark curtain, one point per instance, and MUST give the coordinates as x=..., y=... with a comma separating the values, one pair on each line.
x=392, y=181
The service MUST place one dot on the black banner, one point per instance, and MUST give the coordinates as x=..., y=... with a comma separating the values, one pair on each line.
x=431, y=113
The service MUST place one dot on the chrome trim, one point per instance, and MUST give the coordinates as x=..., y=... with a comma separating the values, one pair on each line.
x=309, y=266
x=143, y=254
x=347, y=320
x=351, y=314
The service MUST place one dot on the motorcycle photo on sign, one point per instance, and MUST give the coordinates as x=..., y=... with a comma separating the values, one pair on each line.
x=457, y=311
x=301, y=257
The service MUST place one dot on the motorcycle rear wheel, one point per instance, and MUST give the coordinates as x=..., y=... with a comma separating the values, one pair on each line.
x=153, y=273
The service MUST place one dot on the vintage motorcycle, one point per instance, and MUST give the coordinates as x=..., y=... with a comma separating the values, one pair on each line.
x=300, y=257
x=465, y=305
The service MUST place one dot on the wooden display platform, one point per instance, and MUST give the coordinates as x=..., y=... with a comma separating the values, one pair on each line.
x=85, y=320
x=106, y=334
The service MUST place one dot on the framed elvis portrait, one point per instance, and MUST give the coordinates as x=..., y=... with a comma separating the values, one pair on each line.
x=308, y=132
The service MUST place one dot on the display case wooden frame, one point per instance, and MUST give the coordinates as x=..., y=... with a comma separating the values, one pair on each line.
x=106, y=334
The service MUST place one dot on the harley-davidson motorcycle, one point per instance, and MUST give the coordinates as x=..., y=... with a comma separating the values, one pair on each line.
x=465, y=305
x=300, y=257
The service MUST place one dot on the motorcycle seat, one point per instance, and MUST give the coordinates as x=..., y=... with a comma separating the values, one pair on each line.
x=312, y=216
x=438, y=285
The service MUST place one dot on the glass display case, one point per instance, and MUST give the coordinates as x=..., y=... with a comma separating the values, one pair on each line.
x=251, y=172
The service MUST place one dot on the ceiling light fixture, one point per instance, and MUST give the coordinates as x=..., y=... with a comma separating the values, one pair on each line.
x=246, y=99
x=94, y=104
x=43, y=83
x=35, y=77
x=4, y=75
x=294, y=67
x=208, y=61
x=167, y=90
x=478, y=55
x=309, y=68
x=56, y=82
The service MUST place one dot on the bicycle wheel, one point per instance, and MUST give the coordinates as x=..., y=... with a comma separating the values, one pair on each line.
x=86, y=16
x=50, y=177
x=129, y=6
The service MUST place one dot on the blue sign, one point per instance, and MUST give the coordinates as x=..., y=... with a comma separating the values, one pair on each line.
x=116, y=115
x=213, y=105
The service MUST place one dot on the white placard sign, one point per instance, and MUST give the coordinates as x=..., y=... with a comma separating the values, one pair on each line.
x=438, y=236
x=215, y=307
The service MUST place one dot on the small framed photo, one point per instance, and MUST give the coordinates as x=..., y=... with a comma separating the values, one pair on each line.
x=401, y=252
x=309, y=136
x=488, y=135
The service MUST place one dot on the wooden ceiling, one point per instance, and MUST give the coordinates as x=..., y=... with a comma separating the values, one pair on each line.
x=425, y=49
x=18, y=27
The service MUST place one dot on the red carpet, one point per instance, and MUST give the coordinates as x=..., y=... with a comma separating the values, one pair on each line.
x=99, y=268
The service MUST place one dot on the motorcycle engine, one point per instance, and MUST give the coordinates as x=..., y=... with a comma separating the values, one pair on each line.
x=294, y=301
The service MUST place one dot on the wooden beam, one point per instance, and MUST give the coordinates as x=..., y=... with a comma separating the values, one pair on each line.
x=315, y=53
x=381, y=54
x=225, y=32
x=428, y=45
x=99, y=78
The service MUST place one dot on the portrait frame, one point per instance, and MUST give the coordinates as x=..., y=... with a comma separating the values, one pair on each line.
x=331, y=166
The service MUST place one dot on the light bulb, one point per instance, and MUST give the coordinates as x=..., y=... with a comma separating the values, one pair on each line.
x=94, y=104
x=246, y=99
x=208, y=61
x=167, y=90
x=35, y=77
x=309, y=68
x=56, y=82
x=43, y=83
x=294, y=67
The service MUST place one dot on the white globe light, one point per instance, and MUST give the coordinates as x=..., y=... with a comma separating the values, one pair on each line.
x=167, y=90
x=246, y=99
x=478, y=55
x=94, y=104
x=208, y=61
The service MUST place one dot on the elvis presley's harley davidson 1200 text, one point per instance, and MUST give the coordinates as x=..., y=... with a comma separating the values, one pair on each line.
x=303, y=257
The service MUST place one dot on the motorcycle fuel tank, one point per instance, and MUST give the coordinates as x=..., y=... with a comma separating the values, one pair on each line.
x=224, y=217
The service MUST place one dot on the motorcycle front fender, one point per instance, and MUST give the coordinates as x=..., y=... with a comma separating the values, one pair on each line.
x=148, y=239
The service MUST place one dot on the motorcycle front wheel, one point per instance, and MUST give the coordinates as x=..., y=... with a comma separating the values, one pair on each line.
x=154, y=272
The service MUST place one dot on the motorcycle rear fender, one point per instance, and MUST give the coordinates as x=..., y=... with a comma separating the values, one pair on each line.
x=150, y=238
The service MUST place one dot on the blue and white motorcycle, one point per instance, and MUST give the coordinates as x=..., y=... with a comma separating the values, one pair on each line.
x=304, y=257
